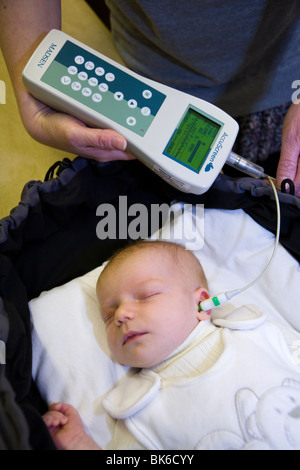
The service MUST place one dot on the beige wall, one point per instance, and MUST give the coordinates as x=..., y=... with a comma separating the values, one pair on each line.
x=21, y=158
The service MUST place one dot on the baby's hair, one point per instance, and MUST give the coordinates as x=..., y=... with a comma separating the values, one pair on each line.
x=185, y=259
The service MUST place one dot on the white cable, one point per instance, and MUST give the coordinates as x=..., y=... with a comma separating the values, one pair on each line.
x=223, y=297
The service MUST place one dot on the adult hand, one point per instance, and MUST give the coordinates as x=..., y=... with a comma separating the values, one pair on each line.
x=289, y=163
x=21, y=30
x=62, y=131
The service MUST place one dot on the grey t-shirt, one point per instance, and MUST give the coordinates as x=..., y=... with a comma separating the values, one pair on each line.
x=241, y=55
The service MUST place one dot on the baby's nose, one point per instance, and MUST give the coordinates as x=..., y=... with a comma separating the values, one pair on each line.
x=124, y=312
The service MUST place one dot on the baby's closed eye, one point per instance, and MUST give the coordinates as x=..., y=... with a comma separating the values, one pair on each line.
x=148, y=295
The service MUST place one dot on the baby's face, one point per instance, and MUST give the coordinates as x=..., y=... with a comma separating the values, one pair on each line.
x=148, y=306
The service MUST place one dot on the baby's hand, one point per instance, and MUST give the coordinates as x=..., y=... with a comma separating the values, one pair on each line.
x=55, y=419
x=66, y=428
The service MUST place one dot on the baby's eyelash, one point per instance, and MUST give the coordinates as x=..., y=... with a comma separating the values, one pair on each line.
x=148, y=295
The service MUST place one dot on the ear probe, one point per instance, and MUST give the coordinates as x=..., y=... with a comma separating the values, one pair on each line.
x=213, y=302
x=224, y=297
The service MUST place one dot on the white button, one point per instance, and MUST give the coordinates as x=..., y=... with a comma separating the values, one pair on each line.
x=99, y=71
x=147, y=94
x=82, y=75
x=118, y=96
x=146, y=111
x=65, y=80
x=103, y=87
x=72, y=70
x=132, y=103
x=110, y=77
x=79, y=59
x=93, y=81
x=76, y=86
x=86, y=91
x=89, y=65
x=97, y=97
x=131, y=121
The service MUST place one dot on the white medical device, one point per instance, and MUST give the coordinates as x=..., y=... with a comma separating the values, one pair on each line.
x=183, y=139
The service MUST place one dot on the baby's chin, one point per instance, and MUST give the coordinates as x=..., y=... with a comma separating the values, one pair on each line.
x=141, y=362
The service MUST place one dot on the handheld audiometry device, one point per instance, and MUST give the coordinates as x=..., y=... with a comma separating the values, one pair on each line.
x=183, y=139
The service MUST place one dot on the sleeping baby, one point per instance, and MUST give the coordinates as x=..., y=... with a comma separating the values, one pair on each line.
x=227, y=382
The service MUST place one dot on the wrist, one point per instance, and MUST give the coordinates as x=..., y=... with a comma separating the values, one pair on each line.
x=83, y=442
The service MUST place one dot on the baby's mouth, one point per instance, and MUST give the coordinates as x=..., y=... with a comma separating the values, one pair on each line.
x=131, y=336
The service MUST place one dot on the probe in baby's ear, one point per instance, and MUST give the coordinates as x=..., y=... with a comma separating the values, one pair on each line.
x=213, y=302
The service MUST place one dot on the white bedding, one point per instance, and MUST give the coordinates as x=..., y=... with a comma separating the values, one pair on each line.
x=71, y=360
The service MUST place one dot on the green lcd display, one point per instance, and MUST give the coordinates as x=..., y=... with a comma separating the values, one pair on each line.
x=192, y=140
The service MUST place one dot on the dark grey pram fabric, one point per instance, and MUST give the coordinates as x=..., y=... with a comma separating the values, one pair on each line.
x=14, y=430
x=50, y=238
x=47, y=240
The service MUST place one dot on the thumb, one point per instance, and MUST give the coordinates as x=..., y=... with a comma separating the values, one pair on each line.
x=102, y=139
x=99, y=144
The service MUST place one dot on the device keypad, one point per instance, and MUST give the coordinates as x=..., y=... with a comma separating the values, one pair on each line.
x=104, y=88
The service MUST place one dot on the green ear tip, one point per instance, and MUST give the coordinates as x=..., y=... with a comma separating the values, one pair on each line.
x=199, y=308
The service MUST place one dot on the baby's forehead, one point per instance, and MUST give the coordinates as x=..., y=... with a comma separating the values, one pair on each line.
x=155, y=261
x=135, y=258
x=148, y=253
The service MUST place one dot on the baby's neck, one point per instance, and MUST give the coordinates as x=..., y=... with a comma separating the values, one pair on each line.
x=199, y=333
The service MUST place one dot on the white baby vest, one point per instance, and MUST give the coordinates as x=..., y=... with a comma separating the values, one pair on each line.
x=233, y=384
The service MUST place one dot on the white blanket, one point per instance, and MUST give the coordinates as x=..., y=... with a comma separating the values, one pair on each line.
x=71, y=359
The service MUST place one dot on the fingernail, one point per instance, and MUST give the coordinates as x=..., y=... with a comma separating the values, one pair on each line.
x=119, y=143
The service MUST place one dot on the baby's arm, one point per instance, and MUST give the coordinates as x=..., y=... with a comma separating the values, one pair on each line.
x=66, y=428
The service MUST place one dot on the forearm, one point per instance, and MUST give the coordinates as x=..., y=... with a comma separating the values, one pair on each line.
x=22, y=26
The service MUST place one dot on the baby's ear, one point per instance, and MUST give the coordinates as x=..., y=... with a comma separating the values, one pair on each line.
x=202, y=294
